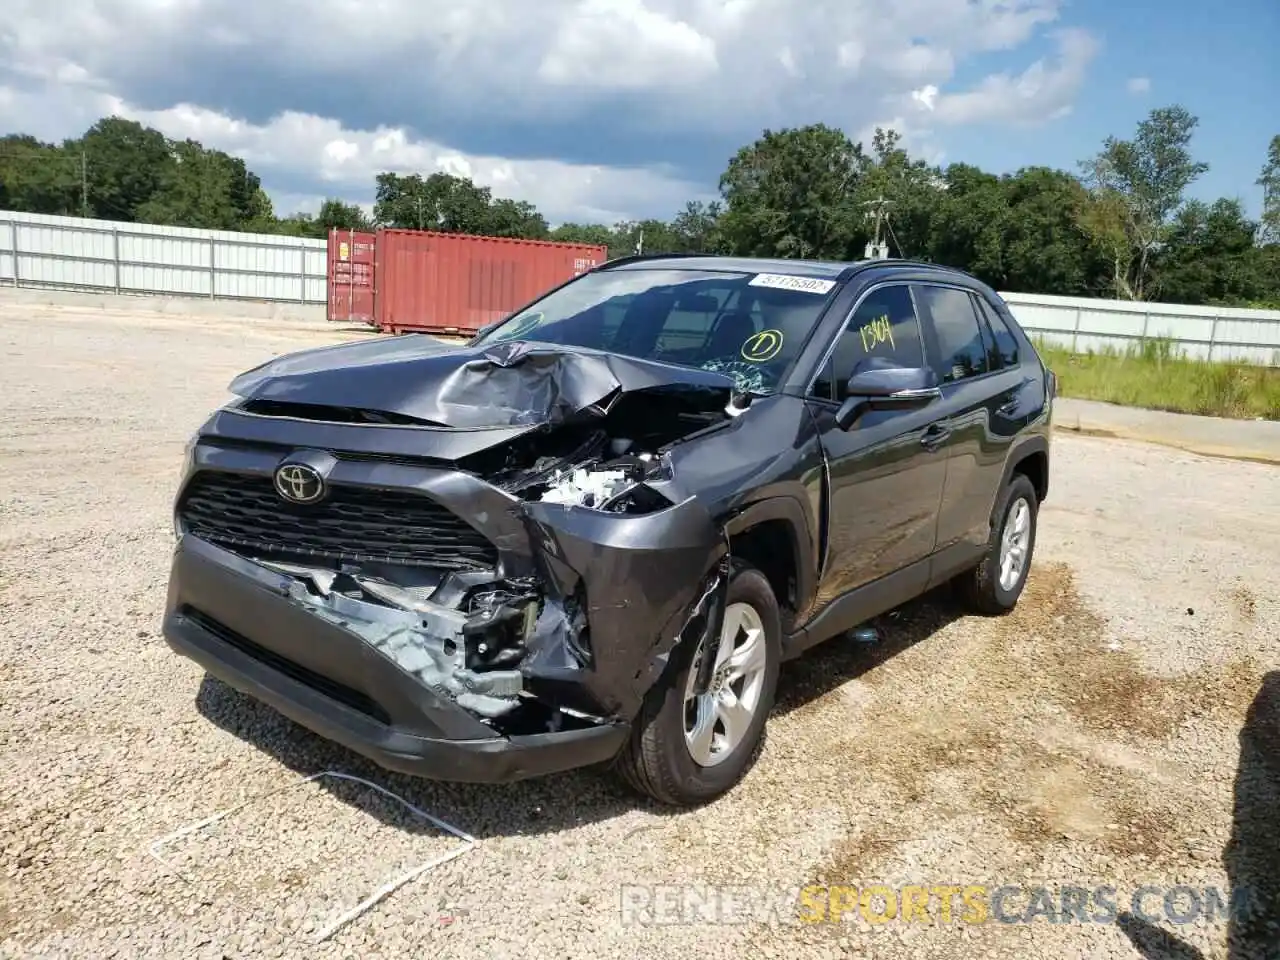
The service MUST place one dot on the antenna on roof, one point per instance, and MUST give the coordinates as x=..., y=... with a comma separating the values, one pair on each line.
x=879, y=212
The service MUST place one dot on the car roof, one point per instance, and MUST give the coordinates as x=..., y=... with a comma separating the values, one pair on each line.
x=824, y=269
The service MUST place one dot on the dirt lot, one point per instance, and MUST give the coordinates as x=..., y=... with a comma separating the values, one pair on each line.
x=1118, y=730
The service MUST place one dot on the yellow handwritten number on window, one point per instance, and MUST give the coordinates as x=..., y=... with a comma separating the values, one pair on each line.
x=876, y=332
x=762, y=346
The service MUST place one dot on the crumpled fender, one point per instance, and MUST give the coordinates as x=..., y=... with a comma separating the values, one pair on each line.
x=644, y=578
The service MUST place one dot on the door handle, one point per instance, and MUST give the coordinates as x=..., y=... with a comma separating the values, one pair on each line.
x=934, y=436
x=1010, y=405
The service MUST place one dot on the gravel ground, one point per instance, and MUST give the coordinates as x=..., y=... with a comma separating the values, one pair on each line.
x=1118, y=729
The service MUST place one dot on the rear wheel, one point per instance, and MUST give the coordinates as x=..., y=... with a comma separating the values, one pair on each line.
x=691, y=744
x=995, y=584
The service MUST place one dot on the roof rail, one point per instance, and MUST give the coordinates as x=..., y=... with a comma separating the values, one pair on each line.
x=635, y=257
x=906, y=262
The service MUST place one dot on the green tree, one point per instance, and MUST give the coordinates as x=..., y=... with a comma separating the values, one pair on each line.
x=1135, y=186
x=1043, y=248
x=791, y=193
x=968, y=223
x=336, y=215
x=297, y=225
x=512, y=218
x=697, y=227
x=1270, y=183
x=650, y=236
x=38, y=177
x=1122, y=229
x=126, y=165
x=596, y=234
x=453, y=204
x=202, y=188
x=440, y=201
x=1211, y=257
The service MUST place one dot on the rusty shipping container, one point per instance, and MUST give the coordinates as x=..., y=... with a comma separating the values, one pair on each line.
x=455, y=283
x=351, y=279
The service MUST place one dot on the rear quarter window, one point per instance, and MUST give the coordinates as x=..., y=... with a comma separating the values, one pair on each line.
x=1006, y=344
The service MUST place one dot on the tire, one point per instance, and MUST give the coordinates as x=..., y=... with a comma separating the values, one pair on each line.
x=981, y=587
x=659, y=760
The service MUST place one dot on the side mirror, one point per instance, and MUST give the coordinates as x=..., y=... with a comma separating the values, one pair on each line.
x=887, y=388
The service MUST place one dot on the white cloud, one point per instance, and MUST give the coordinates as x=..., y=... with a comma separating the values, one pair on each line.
x=333, y=91
x=1044, y=90
x=623, y=45
x=343, y=162
x=788, y=61
x=1137, y=85
x=926, y=96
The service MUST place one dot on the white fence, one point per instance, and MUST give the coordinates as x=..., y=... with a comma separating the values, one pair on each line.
x=104, y=256
x=1214, y=333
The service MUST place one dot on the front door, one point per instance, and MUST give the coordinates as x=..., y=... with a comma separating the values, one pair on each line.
x=885, y=474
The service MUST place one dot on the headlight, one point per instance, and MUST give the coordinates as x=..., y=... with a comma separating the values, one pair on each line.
x=188, y=460
x=188, y=454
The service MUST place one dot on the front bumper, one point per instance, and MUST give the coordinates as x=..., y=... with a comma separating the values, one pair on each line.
x=617, y=592
x=331, y=681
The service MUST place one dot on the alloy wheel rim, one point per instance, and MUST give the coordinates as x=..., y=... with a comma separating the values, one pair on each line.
x=1015, y=544
x=716, y=721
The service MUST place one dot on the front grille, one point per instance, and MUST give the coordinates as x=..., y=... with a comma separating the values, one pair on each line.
x=340, y=692
x=351, y=524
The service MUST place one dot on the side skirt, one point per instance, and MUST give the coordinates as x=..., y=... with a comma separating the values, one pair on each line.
x=880, y=596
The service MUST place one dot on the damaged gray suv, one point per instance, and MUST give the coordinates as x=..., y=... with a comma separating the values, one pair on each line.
x=594, y=532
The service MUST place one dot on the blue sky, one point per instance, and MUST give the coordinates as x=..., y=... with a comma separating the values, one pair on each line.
x=604, y=109
x=1219, y=60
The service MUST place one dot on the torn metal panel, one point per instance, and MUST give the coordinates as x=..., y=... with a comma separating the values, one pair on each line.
x=639, y=576
x=423, y=639
x=705, y=620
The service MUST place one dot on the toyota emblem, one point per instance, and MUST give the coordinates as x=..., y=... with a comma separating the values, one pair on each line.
x=299, y=483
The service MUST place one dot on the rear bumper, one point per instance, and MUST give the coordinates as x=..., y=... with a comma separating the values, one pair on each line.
x=329, y=680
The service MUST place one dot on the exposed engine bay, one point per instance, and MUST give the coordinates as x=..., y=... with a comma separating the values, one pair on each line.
x=603, y=460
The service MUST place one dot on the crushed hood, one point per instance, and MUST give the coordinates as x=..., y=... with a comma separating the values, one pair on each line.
x=509, y=384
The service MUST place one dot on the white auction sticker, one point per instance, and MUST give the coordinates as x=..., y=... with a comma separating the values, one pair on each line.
x=782, y=281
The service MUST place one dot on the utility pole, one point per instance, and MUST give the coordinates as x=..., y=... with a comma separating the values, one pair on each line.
x=878, y=211
x=640, y=242
x=419, y=211
x=84, y=183
x=1264, y=232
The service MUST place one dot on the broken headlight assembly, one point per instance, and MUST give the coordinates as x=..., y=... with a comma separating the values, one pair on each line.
x=618, y=485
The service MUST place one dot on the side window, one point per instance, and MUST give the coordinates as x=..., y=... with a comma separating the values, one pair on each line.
x=1006, y=343
x=949, y=313
x=883, y=327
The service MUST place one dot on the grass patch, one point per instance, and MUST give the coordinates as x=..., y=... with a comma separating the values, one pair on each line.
x=1153, y=374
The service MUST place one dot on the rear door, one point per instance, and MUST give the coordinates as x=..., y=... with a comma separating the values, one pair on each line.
x=980, y=378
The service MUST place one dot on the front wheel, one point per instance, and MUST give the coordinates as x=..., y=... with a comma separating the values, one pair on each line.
x=690, y=745
x=995, y=584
